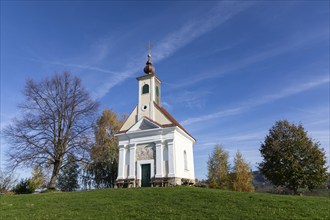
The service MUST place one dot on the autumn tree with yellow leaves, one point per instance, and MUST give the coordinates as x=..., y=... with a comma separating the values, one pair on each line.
x=242, y=175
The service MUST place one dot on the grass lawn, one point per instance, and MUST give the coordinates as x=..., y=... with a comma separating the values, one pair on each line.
x=162, y=203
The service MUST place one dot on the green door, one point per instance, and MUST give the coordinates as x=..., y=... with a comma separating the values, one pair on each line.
x=145, y=175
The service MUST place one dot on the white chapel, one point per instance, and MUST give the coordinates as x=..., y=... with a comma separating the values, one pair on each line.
x=154, y=149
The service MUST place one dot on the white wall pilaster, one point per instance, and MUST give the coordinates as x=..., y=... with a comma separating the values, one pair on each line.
x=159, y=159
x=121, y=164
x=132, y=151
x=171, y=158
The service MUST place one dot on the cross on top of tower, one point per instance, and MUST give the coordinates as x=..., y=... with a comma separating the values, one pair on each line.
x=149, y=46
x=149, y=69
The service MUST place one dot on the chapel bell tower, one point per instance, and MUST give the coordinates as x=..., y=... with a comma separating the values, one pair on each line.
x=149, y=92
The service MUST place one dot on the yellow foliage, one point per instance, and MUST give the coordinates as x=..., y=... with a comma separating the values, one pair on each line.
x=242, y=176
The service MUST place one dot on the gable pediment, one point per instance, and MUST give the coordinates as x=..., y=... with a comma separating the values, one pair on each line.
x=143, y=124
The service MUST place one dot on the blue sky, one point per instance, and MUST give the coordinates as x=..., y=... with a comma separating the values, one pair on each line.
x=229, y=69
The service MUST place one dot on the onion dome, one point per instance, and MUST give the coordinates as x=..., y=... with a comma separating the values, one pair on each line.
x=149, y=69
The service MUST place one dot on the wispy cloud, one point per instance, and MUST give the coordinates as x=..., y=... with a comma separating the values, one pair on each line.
x=322, y=136
x=257, y=57
x=6, y=119
x=211, y=140
x=223, y=11
x=85, y=67
x=100, y=50
x=96, y=91
x=246, y=142
x=320, y=122
x=219, y=114
x=167, y=105
x=112, y=81
x=289, y=91
x=192, y=99
x=217, y=50
x=179, y=38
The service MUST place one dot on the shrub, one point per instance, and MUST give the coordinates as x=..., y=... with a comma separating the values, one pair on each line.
x=25, y=186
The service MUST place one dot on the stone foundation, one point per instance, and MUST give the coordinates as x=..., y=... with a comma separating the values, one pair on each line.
x=126, y=183
x=187, y=182
x=156, y=182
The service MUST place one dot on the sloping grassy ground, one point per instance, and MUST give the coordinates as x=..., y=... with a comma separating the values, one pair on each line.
x=162, y=203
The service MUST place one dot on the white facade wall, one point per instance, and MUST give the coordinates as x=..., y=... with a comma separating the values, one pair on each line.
x=130, y=141
x=184, y=144
x=168, y=144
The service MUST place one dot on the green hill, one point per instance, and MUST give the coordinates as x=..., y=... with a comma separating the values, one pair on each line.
x=162, y=203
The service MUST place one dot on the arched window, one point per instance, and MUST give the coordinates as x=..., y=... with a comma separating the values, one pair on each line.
x=185, y=160
x=157, y=91
x=145, y=89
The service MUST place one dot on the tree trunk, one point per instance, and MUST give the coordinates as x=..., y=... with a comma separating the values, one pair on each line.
x=56, y=170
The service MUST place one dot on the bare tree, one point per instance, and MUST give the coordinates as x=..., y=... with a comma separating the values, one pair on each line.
x=56, y=124
x=7, y=180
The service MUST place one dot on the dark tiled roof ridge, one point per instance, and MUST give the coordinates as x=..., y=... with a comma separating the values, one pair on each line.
x=172, y=119
x=169, y=117
x=153, y=121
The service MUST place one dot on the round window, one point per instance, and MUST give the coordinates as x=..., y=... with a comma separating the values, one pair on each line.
x=144, y=107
